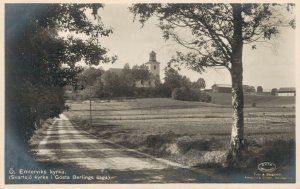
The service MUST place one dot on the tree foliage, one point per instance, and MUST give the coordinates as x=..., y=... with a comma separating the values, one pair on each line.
x=39, y=61
x=213, y=35
x=259, y=89
x=89, y=76
x=248, y=88
x=172, y=80
x=141, y=73
x=274, y=91
x=199, y=84
x=212, y=28
x=181, y=88
x=122, y=82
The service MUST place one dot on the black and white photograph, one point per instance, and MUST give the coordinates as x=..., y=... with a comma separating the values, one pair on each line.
x=149, y=93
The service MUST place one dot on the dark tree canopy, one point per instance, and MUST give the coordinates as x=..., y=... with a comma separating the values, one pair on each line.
x=199, y=84
x=259, y=89
x=39, y=61
x=172, y=79
x=141, y=72
x=274, y=91
x=90, y=75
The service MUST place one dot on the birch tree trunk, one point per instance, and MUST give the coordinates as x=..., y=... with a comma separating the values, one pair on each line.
x=237, y=142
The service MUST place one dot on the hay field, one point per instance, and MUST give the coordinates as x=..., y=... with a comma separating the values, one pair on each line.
x=182, y=131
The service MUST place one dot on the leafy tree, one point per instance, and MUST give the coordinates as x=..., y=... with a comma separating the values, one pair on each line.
x=172, y=80
x=274, y=91
x=248, y=88
x=181, y=93
x=141, y=73
x=91, y=74
x=128, y=77
x=39, y=62
x=217, y=34
x=98, y=88
x=259, y=89
x=111, y=83
x=88, y=78
x=186, y=82
x=199, y=84
x=126, y=67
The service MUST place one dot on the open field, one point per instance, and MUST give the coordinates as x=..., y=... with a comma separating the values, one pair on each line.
x=191, y=133
x=259, y=100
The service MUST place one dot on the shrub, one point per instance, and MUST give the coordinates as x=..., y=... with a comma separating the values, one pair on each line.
x=187, y=94
x=181, y=93
x=205, y=97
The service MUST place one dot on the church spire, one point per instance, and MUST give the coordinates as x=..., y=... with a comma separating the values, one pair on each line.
x=152, y=56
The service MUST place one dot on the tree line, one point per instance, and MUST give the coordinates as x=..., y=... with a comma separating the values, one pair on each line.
x=122, y=83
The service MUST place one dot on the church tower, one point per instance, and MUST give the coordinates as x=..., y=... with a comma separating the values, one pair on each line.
x=153, y=64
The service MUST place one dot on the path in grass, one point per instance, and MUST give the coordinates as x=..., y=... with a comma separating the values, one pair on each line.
x=66, y=143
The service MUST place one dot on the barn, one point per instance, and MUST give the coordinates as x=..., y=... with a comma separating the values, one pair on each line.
x=221, y=88
x=266, y=92
x=287, y=91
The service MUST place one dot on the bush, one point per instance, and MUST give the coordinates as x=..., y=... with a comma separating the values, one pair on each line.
x=204, y=97
x=187, y=94
x=180, y=93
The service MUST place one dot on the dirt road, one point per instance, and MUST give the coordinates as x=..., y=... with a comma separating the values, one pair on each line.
x=65, y=143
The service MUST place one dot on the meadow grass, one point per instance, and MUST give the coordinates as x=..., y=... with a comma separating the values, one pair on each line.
x=191, y=133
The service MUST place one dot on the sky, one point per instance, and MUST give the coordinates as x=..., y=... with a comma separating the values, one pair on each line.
x=270, y=65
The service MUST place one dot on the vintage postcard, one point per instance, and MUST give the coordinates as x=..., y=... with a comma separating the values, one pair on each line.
x=150, y=93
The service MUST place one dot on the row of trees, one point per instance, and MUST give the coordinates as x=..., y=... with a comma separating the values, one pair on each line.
x=122, y=83
x=273, y=92
x=112, y=83
x=109, y=84
x=181, y=88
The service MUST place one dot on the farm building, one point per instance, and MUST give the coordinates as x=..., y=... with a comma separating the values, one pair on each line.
x=221, y=88
x=287, y=91
x=266, y=92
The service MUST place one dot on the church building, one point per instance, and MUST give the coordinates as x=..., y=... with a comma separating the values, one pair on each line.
x=154, y=68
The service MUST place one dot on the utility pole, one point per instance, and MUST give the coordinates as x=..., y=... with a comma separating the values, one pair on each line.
x=90, y=91
x=90, y=96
